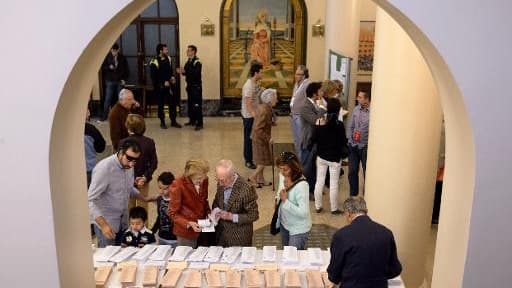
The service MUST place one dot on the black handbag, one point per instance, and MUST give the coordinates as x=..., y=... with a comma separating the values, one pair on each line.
x=274, y=230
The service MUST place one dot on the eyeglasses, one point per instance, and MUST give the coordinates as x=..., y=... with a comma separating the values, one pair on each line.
x=131, y=158
x=287, y=156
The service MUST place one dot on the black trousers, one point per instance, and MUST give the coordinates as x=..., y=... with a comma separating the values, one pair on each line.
x=247, y=139
x=195, y=104
x=164, y=96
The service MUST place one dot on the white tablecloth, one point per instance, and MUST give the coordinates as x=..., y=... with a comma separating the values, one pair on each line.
x=303, y=264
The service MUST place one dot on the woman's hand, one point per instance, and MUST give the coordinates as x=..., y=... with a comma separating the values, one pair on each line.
x=194, y=226
x=283, y=195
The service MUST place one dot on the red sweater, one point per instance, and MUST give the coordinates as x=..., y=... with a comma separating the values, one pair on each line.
x=187, y=205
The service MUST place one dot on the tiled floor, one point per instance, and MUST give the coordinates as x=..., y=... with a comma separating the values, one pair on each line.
x=222, y=138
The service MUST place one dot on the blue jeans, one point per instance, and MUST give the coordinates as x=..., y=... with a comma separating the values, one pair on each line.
x=298, y=240
x=296, y=131
x=308, y=162
x=355, y=156
x=247, y=139
x=111, y=93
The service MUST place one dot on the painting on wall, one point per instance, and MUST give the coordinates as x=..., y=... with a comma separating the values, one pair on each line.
x=266, y=31
x=366, y=47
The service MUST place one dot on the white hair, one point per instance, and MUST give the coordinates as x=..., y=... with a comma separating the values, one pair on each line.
x=123, y=93
x=268, y=95
x=227, y=165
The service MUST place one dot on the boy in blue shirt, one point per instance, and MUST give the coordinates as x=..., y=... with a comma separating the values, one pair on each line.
x=137, y=235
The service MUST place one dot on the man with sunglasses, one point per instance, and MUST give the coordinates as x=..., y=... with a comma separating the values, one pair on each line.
x=112, y=185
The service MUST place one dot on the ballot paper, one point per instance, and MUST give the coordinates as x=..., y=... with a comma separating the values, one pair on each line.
x=180, y=253
x=253, y=278
x=233, y=278
x=314, y=279
x=248, y=255
x=144, y=252
x=161, y=253
x=291, y=279
x=213, y=254
x=269, y=253
x=193, y=279
x=199, y=265
x=150, y=276
x=213, y=279
x=128, y=276
x=206, y=225
x=124, y=254
x=198, y=254
x=171, y=277
x=315, y=256
x=272, y=279
x=101, y=275
x=105, y=254
x=290, y=255
x=230, y=254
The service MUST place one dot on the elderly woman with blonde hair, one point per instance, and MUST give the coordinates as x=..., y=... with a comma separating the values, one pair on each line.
x=189, y=202
x=261, y=136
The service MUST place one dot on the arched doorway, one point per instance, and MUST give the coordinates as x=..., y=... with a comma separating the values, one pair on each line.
x=156, y=24
x=270, y=32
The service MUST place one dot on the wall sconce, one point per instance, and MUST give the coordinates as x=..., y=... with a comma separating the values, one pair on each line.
x=207, y=28
x=318, y=29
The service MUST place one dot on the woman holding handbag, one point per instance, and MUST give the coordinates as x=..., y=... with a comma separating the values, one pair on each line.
x=294, y=219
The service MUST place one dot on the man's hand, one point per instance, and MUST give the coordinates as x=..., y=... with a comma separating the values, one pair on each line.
x=225, y=215
x=112, y=67
x=173, y=80
x=194, y=226
x=122, y=82
x=140, y=181
x=105, y=228
x=167, y=83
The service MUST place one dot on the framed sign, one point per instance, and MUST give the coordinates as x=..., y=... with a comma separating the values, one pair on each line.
x=339, y=69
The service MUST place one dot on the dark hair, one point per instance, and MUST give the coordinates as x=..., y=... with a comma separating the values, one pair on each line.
x=166, y=178
x=115, y=46
x=333, y=109
x=129, y=143
x=290, y=159
x=304, y=69
x=193, y=47
x=367, y=94
x=160, y=47
x=255, y=68
x=313, y=89
x=138, y=212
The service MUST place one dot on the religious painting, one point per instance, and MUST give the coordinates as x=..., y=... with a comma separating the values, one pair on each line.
x=270, y=32
x=366, y=46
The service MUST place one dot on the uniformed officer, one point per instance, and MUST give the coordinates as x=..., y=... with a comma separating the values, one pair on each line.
x=163, y=79
x=192, y=72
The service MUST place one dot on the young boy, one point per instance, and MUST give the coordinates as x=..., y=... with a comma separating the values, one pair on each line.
x=163, y=224
x=137, y=235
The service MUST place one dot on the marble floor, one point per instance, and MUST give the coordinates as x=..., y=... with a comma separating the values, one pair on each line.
x=222, y=138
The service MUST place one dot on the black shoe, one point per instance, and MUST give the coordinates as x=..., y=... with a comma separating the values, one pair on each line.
x=189, y=124
x=336, y=212
x=318, y=210
x=163, y=126
x=176, y=125
x=250, y=165
x=198, y=128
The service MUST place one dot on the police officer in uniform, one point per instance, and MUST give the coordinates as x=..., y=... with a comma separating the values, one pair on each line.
x=192, y=72
x=163, y=79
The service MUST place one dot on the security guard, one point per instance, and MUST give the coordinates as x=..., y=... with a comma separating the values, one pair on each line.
x=192, y=72
x=163, y=79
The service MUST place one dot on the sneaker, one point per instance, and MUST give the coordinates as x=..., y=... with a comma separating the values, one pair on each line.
x=163, y=126
x=250, y=165
x=336, y=212
x=318, y=210
x=176, y=125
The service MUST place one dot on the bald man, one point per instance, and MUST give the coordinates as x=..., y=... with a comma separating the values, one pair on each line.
x=237, y=200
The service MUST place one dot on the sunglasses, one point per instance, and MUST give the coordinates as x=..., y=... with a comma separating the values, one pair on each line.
x=130, y=158
x=287, y=156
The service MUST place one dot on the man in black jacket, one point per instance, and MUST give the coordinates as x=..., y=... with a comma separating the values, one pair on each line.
x=163, y=79
x=192, y=72
x=115, y=72
x=363, y=253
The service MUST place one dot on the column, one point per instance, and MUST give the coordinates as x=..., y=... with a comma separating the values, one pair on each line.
x=403, y=147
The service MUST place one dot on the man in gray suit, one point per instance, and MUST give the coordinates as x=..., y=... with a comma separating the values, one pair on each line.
x=311, y=111
x=296, y=104
x=237, y=200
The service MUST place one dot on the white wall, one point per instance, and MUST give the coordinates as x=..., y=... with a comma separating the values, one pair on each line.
x=470, y=36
